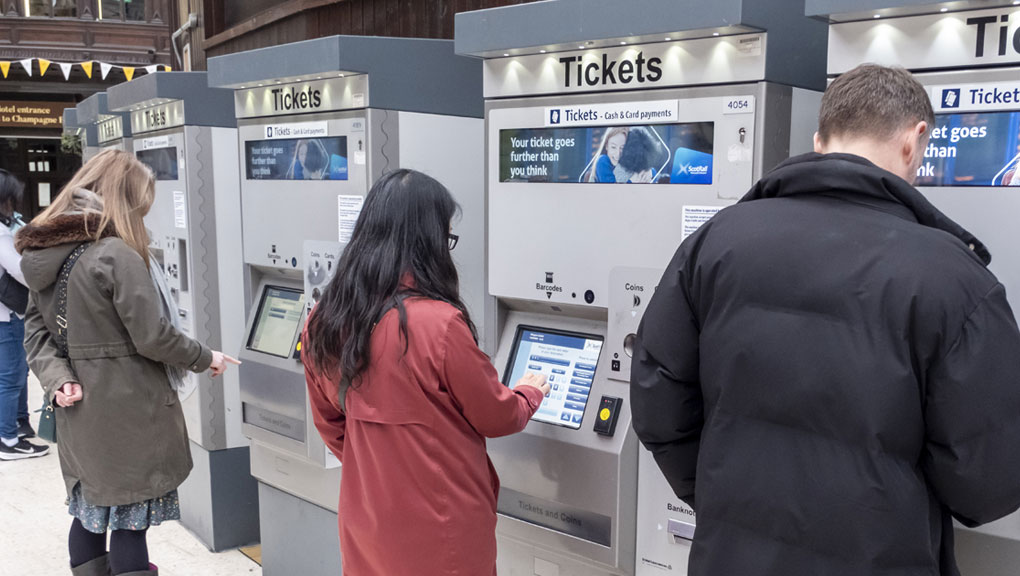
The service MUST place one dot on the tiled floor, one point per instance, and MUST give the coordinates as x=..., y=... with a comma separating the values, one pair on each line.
x=34, y=523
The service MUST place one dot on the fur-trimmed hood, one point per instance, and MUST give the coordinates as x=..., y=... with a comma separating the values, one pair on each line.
x=44, y=248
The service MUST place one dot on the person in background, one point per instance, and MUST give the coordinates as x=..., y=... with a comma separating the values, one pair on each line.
x=403, y=396
x=124, y=447
x=828, y=373
x=15, y=429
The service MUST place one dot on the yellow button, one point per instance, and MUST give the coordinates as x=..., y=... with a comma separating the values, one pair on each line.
x=299, y=346
x=605, y=414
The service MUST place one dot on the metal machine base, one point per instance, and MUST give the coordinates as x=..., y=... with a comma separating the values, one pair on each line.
x=516, y=558
x=219, y=500
x=298, y=537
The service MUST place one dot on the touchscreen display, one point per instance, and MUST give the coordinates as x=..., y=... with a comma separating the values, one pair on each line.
x=567, y=359
x=279, y=318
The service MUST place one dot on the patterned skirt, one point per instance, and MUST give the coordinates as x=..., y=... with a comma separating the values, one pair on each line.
x=138, y=516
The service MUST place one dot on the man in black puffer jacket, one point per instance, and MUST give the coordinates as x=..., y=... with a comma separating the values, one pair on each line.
x=828, y=372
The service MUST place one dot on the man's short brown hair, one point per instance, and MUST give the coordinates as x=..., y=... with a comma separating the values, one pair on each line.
x=873, y=101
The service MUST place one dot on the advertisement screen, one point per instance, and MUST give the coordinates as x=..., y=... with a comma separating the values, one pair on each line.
x=162, y=162
x=976, y=149
x=567, y=360
x=649, y=154
x=296, y=159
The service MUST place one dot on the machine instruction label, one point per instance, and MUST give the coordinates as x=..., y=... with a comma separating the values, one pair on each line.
x=694, y=216
x=157, y=142
x=180, y=210
x=972, y=97
x=583, y=524
x=348, y=210
x=615, y=113
x=297, y=130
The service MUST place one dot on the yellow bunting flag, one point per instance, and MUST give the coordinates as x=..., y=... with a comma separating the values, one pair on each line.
x=166, y=68
x=87, y=67
x=129, y=72
x=5, y=67
x=43, y=66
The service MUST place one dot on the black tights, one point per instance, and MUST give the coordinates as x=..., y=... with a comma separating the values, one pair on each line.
x=128, y=550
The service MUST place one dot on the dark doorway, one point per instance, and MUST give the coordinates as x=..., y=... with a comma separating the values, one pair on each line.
x=42, y=166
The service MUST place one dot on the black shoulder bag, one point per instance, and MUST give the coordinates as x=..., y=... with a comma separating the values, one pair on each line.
x=47, y=419
x=13, y=294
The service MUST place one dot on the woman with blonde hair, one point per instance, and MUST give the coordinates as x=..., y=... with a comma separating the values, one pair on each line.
x=100, y=339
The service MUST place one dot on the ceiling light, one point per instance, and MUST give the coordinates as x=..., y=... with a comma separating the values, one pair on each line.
x=623, y=43
x=668, y=38
x=944, y=10
x=542, y=51
x=878, y=15
x=506, y=54
x=581, y=47
x=715, y=33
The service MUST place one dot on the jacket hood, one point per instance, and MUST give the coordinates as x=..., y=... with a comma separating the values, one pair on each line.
x=847, y=175
x=45, y=247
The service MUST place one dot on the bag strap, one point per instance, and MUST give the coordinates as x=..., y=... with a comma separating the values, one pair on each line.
x=65, y=275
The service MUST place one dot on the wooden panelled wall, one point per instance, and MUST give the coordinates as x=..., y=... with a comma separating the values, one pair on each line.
x=296, y=20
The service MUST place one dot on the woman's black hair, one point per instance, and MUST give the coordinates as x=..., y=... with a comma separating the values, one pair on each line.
x=641, y=152
x=12, y=191
x=399, y=249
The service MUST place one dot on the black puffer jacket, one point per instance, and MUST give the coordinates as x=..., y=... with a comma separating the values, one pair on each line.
x=830, y=373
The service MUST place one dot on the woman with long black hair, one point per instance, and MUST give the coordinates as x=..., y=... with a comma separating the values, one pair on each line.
x=403, y=396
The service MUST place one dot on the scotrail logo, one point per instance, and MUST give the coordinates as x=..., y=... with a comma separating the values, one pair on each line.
x=951, y=98
x=554, y=116
x=269, y=131
x=692, y=170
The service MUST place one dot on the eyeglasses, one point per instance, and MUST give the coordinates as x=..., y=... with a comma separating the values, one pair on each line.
x=452, y=239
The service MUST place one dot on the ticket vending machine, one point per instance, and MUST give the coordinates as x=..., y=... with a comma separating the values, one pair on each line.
x=967, y=54
x=186, y=133
x=318, y=122
x=86, y=133
x=612, y=130
x=111, y=129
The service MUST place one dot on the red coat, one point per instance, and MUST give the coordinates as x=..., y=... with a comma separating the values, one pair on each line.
x=418, y=491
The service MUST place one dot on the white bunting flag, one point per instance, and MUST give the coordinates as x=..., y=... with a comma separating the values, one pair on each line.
x=105, y=68
x=66, y=69
x=27, y=65
x=151, y=69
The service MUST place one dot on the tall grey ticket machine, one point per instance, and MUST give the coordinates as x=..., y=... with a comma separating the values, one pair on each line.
x=86, y=133
x=111, y=129
x=683, y=104
x=969, y=60
x=318, y=122
x=186, y=133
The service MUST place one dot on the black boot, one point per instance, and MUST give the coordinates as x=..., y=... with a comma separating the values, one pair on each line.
x=95, y=567
x=152, y=571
